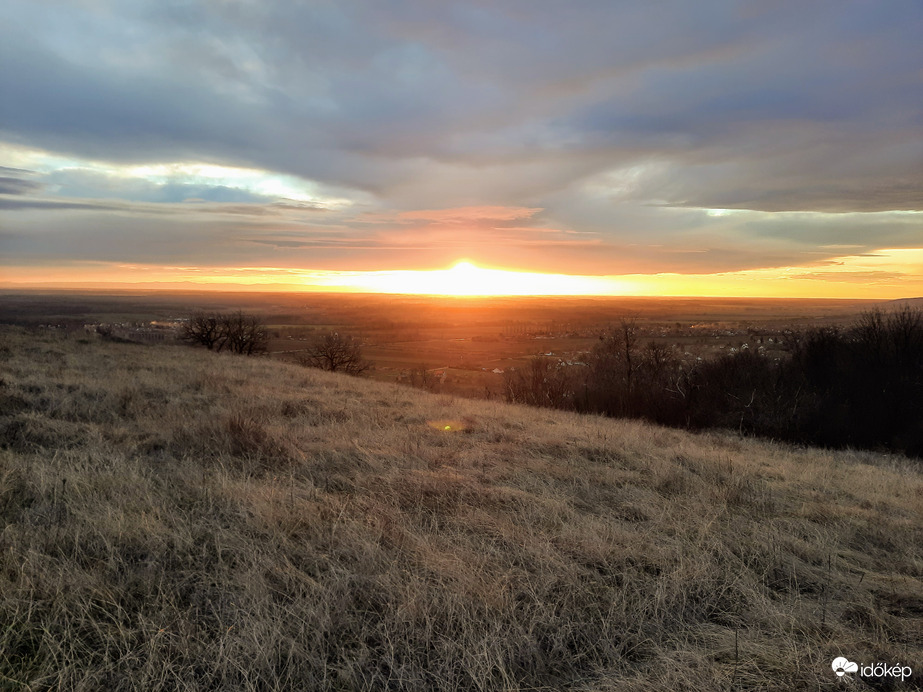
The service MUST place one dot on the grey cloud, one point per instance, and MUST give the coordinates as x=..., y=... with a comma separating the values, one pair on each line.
x=770, y=107
x=92, y=184
x=60, y=106
x=356, y=78
x=188, y=207
x=851, y=197
x=19, y=204
x=17, y=186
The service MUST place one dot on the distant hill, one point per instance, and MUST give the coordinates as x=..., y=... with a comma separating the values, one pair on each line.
x=180, y=520
x=906, y=302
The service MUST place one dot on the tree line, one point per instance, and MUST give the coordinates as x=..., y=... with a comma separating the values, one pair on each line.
x=859, y=386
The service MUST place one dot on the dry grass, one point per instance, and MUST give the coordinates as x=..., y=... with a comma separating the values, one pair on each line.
x=177, y=520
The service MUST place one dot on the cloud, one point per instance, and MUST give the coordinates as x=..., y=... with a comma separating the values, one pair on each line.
x=468, y=214
x=17, y=186
x=19, y=204
x=87, y=183
x=595, y=138
x=856, y=277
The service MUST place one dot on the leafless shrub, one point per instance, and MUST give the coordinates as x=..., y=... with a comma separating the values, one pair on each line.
x=544, y=382
x=236, y=332
x=336, y=352
x=423, y=377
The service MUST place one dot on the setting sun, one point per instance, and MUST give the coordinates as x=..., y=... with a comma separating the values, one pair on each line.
x=467, y=279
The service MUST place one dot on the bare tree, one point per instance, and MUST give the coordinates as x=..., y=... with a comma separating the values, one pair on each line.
x=627, y=339
x=905, y=329
x=245, y=334
x=422, y=378
x=544, y=382
x=335, y=352
x=613, y=366
x=203, y=330
x=870, y=331
x=236, y=332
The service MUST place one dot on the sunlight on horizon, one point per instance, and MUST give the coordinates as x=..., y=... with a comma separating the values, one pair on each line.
x=467, y=279
x=885, y=274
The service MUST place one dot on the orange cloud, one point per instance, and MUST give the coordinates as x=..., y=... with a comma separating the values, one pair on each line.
x=454, y=215
x=467, y=231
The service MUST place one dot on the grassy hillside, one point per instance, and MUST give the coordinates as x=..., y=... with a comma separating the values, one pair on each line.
x=175, y=519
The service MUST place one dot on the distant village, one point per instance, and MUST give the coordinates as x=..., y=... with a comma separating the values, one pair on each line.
x=157, y=331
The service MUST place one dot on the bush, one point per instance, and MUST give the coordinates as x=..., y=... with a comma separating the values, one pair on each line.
x=628, y=380
x=860, y=387
x=335, y=352
x=236, y=332
x=545, y=382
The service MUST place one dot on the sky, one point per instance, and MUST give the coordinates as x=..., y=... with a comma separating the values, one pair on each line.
x=656, y=147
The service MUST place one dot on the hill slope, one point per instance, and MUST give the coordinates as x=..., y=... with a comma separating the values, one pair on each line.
x=176, y=519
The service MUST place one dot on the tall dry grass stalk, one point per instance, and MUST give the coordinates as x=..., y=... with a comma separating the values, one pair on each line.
x=177, y=520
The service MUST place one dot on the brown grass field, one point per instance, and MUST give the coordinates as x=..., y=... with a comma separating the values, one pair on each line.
x=179, y=520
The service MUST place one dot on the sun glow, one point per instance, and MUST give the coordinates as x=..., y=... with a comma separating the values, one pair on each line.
x=467, y=279
x=884, y=274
